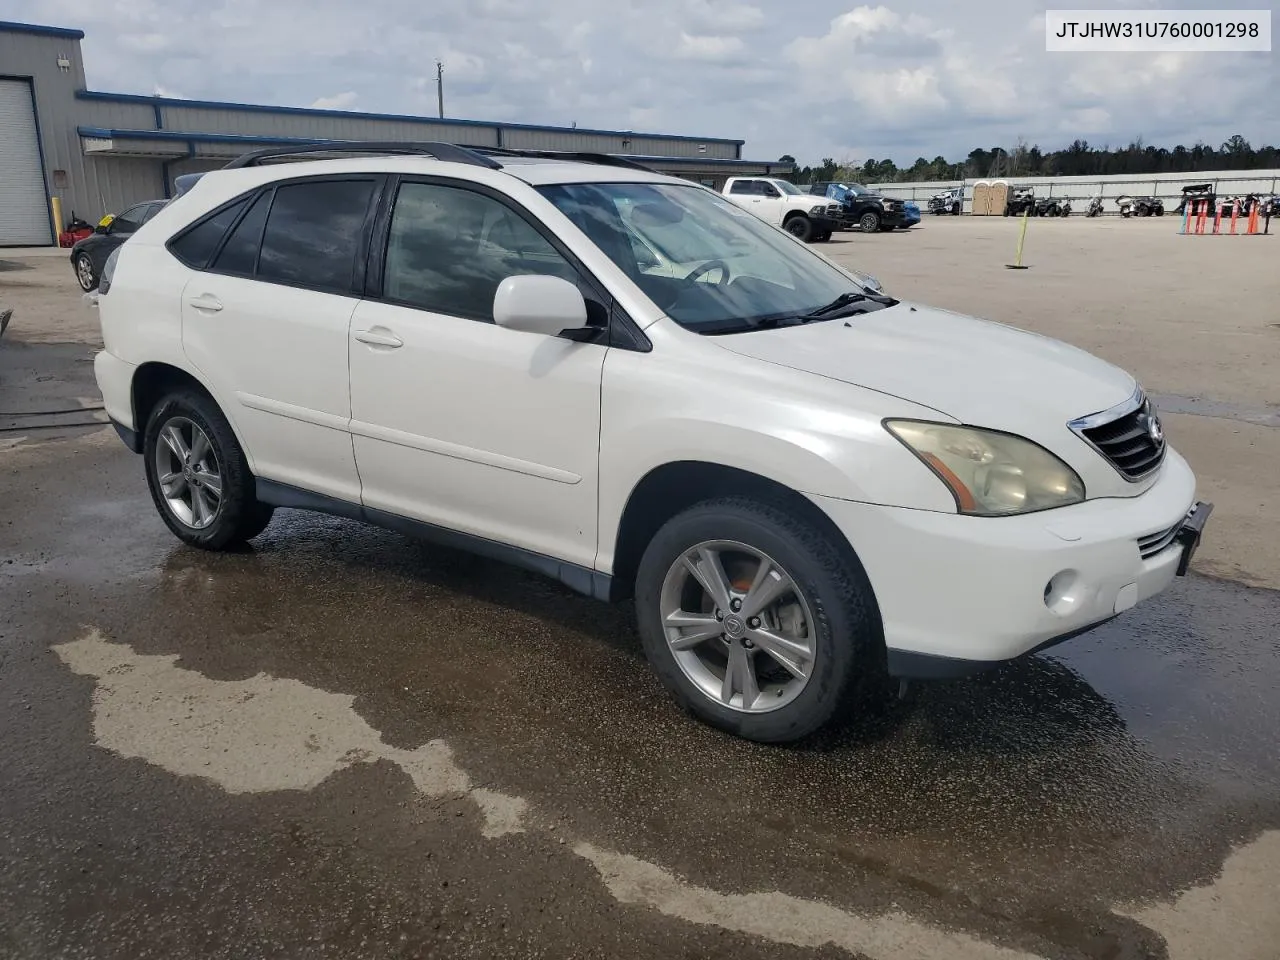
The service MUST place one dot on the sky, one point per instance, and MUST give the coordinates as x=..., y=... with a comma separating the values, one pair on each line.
x=808, y=78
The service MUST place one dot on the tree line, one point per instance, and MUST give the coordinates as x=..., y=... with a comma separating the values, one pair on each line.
x=1079, y=159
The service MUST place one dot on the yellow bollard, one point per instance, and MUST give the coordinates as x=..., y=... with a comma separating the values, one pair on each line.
x=1022, y=238
x=56, y=203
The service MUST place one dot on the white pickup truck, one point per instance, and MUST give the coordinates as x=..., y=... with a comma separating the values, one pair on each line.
x=785, y=205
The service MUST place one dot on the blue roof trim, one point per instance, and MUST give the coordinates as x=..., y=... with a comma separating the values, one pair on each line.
x=177, y=136
x=8, y=26
x=402, y=118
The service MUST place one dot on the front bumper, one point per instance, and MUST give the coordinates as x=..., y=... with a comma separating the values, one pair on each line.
x=960, y=594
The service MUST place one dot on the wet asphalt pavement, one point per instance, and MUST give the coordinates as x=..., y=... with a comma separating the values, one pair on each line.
x=1028, y=812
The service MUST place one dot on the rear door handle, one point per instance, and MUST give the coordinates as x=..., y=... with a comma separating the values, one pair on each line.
x=206, y=302
x=379, y=338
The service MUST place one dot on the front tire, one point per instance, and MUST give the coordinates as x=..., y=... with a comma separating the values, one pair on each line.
x=198, y=475
x=955, y=209
x=800, y=227
x=755, y=620
x=869, y=222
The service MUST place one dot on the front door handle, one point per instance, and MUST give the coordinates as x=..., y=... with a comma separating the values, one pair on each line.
x=378, y=338
x=206, y=302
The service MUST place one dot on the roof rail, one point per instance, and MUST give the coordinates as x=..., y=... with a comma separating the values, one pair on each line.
x=603, y=159
x=449, y=152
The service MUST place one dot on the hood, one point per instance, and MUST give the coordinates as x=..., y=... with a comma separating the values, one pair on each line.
x=981, y=373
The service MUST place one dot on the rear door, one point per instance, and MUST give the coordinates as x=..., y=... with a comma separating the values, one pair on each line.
x=266, y=321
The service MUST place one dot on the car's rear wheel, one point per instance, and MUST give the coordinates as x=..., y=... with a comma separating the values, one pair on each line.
x=755, y=620
x=199, y=478
x=955, y=209
x=800, y=227
x=86, y=276
x=869, y=222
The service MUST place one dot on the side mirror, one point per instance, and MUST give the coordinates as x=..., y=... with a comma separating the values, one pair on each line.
x=539, y=304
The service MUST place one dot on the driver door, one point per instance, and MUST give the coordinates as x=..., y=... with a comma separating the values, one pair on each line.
x=771, y=204
x=456, y=421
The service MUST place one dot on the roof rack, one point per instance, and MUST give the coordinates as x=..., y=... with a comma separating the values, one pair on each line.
x=603, y=159
x=449, y=152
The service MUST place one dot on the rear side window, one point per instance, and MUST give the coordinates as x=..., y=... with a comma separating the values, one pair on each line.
x=743, y=186
x=240, y=253
x=196, y=246
x=313, y=234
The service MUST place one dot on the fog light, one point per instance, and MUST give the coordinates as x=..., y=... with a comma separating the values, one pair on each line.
x=1062, y=592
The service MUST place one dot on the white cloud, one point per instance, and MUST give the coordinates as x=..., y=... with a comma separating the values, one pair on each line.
x=811, y=78
x=339, y=101
x=708, y=47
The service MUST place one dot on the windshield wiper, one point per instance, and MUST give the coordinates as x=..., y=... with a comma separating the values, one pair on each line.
x=838, y=303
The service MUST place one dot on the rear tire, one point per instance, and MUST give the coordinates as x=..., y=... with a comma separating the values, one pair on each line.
x=800, y=227
x=86, y=275
x=198, y=475
x=955, y=209
x=831, y=604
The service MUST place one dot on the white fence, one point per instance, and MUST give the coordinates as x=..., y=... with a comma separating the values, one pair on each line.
x=1166, y=186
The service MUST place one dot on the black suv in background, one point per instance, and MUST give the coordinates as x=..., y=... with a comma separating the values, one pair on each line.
x=861, y=208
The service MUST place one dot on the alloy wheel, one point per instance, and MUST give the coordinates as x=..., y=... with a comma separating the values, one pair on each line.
x=188, y=473
x=739, y=626
x=84, y=272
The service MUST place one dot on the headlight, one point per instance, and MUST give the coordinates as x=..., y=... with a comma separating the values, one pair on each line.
x=818, y=211
x=990, y=474
x=108, y=271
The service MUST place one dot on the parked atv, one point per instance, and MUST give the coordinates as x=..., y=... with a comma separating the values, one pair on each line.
x=1052, y=207
x=1021, y=200
x=1140, y=206
x=947, y=201
x=1095, y=206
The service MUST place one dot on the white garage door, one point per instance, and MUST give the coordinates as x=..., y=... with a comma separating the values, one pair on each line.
x=23, y=216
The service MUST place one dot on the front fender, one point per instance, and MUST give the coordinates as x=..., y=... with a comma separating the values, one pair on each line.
x=808, y=433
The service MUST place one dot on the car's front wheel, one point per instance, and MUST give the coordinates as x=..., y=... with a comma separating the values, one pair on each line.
x=800, y=227
x=199, y=478
x=755, y=620
x=869, y=222
x=86, y=275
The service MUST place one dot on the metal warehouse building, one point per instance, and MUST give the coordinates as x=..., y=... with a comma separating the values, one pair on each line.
x=101, y=152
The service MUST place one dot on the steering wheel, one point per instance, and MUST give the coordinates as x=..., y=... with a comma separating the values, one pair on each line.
x=704, y=268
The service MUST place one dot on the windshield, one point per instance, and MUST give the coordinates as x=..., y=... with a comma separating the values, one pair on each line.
x=790, y=188
x=707, y=263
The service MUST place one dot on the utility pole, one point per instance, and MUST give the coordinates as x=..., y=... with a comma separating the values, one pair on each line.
x=440, y=87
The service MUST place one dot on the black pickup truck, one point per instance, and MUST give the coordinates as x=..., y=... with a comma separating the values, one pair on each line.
x=862, y=209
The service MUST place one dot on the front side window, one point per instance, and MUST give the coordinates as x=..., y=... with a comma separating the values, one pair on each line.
x=719, y=268
x=312, y=234
x=449, y=249
x=790, y=188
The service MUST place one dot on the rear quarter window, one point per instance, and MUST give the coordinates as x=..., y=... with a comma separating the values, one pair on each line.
x=195, y=245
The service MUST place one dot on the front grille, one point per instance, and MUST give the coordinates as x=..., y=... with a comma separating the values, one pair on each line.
x=1152, y=544
x=1132, y=439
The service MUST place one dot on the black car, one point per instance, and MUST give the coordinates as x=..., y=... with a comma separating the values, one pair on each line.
x=90, y=254
x=1020, y=201
x=861, y=208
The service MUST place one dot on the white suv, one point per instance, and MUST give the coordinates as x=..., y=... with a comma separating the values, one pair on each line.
x=630, y=384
